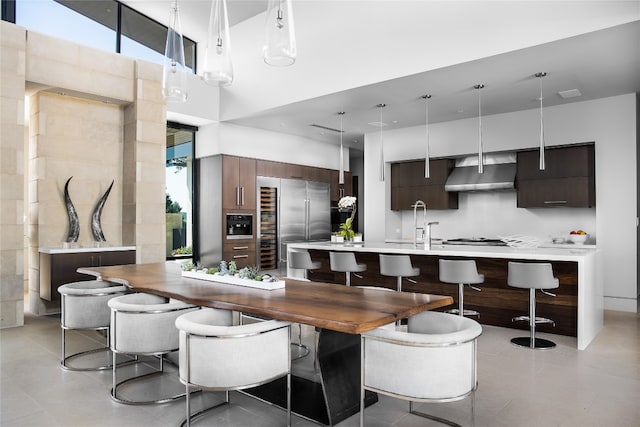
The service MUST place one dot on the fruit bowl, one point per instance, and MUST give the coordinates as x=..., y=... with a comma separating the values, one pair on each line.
x=578, y=239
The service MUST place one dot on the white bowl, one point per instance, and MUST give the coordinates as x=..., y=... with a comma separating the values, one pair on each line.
x=578, y=239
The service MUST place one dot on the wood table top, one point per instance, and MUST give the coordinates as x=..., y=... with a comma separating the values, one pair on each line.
x=336, y=307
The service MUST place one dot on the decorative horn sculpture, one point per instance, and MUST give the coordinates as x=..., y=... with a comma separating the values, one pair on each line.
x=74, y=225
x=96, y=228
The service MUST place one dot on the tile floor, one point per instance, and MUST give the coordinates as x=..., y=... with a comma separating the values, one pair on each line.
x=517, y=387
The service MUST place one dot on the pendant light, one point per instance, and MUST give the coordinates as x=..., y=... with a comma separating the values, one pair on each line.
x=542, y=164
x=174, y=73
x=218, y=68
x=380, y=107
x=426, y=131
x=341, y=175
x=480, y=154
x=280, y=40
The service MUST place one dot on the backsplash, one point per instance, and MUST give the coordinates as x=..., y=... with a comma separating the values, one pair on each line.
x=494, y=213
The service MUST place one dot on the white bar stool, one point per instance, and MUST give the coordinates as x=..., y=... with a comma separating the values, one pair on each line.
x=84, y=306
x=302, y=261
x=398, y=266
x=346, y=262
x=460, y=272
x=532, y=276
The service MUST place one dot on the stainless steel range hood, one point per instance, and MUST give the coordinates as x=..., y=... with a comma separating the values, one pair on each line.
x=499, y=174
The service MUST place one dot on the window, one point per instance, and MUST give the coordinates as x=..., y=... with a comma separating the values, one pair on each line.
x=54, y=18
x=95, y=23
x=146, y=39
x=179, y=191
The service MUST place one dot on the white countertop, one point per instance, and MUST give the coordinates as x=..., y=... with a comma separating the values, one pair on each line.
x=85, y=249
x=541, y=253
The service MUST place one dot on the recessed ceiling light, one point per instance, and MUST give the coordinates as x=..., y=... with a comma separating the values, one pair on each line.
x=378, y=124
x=571, y=93
x=394, y=122
x=460, y=111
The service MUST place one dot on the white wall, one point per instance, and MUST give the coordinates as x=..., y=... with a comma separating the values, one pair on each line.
x=202, y=106
x=227, y=138
x=348, y=44
x=610, y=122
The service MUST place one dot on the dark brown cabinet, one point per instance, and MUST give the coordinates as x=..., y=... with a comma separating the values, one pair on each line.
x=568, y=179
x=57, y=269
x=290, y=171
x=238, y=183
x=271, y=169
x=408, y=184
x=242, y=252
x=339, y=191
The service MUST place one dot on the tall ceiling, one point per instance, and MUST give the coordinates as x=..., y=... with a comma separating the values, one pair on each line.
x=598, y=64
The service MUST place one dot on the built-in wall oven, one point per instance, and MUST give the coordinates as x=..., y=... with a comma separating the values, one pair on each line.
x=239, y=226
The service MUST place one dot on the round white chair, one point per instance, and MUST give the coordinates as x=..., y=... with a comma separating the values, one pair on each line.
x=144, y=325
x=84, y=307
x=219, y=357
x=438, y=355
x=346, y=263
x=460, y=272
x=532, y=276
x=398, y=266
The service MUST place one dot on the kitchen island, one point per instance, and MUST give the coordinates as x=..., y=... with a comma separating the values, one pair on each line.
x=577, y=308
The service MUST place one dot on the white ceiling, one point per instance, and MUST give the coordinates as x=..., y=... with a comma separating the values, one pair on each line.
x=599, y=64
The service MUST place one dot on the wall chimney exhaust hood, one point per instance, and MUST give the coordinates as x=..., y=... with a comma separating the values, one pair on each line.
x=499, y=173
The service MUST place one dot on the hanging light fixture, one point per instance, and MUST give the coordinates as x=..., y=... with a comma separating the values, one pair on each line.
x=380, y=107
x=174, y=73
x=280, y=40
x=341, y=175
x=218, y=68
x=480, y=154
x=426, y=154
x=542, y=164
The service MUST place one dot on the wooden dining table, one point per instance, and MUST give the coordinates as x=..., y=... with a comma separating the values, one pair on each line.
x=339, y=312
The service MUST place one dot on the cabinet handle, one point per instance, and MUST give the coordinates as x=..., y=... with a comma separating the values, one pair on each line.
x=242, y=196
x=341, y=193
x=240, y=256
x=555, y=202
x=240, y=248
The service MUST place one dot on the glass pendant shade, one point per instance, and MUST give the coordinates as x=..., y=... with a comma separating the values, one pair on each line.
x=427, y=172
x=341, y=174
x=280, y=40
x=542, y=144
x=218, y=68
x=480, y=149
x=174, y=73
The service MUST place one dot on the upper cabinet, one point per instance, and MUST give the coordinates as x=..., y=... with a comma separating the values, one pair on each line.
x=567, y=180
x=287, y=170
x=408, y=184
x=238, y=183
x=339, y=191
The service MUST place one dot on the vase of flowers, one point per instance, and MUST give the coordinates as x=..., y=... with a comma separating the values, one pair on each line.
x=346, y=228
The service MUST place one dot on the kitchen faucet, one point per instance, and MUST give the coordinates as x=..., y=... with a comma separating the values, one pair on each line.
x=426, y=227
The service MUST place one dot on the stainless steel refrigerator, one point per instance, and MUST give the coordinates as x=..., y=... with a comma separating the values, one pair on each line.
x=290, y=210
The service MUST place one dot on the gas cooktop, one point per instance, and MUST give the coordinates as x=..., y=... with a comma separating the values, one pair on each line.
x=475, y=241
